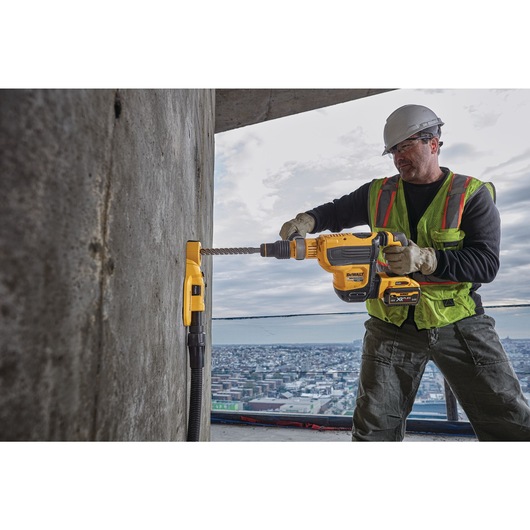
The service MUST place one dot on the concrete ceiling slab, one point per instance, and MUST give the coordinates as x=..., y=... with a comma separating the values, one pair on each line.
x=236, y=108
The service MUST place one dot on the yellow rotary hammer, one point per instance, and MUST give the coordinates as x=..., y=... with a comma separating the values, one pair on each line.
x=352, y=258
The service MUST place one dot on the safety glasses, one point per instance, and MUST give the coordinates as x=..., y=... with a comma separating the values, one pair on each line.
x=408, y=144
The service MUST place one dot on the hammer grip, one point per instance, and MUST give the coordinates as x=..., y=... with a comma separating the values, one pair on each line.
x=402, y=238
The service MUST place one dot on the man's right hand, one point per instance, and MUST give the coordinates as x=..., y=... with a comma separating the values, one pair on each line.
x=302, y=223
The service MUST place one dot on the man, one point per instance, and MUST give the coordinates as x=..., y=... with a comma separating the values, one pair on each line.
x=453, y=227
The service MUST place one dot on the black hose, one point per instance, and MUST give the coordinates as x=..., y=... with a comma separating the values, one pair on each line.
x=194, y=419
x=196, y=347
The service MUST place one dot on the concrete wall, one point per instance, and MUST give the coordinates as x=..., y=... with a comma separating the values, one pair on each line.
x=100, y=191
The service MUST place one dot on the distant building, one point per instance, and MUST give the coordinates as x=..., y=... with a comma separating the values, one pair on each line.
x=269, y=404
x=429, y=409
x=305, y=405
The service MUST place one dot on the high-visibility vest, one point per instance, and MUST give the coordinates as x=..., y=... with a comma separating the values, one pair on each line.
x=441, y=302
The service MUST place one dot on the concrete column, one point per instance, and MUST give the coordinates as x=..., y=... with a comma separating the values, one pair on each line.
x=100, y=191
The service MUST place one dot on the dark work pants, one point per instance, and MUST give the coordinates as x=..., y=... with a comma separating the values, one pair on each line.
x=473, y=362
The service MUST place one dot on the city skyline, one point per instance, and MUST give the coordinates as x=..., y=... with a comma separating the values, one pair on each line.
x=321, y=378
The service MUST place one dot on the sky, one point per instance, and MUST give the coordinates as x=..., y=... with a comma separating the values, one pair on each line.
x=266, y=173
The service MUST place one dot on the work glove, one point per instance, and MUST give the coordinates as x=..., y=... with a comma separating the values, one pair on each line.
x=302, y=223
x=404, y=260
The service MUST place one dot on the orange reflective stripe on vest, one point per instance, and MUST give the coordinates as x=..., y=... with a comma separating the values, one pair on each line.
x=454, y=203
x=385, y=200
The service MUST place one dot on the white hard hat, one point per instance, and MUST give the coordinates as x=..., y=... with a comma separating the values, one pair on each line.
x=406, y=121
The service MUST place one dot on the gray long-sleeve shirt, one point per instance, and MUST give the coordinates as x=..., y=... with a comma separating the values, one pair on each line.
x=477, y=262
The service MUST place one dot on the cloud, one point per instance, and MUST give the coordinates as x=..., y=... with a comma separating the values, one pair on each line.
x=512, y=161
x=482, y=117
x=510, y=201
x=459, y=151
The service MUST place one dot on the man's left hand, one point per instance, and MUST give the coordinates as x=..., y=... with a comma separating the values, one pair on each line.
x=404, y=260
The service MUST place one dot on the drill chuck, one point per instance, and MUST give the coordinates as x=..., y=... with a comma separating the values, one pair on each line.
x=296, y=248
x=278, y=249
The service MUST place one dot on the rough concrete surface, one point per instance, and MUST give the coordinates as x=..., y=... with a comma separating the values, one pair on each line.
x=100, y=191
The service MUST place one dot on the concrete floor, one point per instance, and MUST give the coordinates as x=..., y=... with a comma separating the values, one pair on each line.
x=243, y=433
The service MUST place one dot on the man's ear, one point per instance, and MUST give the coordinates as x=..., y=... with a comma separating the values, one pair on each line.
x=435, y=144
